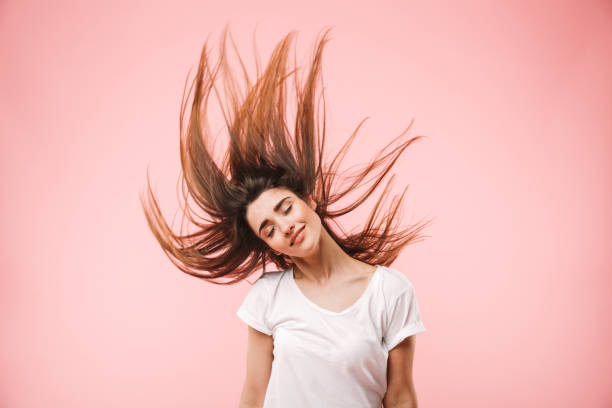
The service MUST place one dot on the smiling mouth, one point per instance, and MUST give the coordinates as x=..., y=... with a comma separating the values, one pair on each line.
x=296, y=235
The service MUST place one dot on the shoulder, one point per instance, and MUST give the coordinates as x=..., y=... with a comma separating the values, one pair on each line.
x=268, y=281
x=394, y=282
x=262, y=291
x=268, y=278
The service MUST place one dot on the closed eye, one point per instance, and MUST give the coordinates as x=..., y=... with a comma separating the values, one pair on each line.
x=272, y=228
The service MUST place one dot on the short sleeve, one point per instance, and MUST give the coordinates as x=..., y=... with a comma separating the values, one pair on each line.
x=403, y=318
x=254, y=308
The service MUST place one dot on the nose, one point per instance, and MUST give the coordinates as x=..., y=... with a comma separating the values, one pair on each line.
x=287, y=228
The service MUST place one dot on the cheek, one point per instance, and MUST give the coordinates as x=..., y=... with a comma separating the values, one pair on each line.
x=276, y=242
x=313, y=218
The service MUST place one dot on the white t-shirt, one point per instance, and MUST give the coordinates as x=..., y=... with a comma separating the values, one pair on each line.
x=331, y=359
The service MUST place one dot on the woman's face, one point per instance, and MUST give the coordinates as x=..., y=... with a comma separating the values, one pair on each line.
x=285, y=222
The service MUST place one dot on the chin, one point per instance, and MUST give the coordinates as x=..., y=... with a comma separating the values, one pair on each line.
x=308, y=248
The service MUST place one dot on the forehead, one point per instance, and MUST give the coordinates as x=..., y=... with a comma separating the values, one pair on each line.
x=264, y=204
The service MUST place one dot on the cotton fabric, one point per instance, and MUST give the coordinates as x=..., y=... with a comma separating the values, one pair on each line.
x=331, y=359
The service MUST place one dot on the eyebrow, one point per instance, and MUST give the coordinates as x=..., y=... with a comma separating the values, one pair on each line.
x=276, y=207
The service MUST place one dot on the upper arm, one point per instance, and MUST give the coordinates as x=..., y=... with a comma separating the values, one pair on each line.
x=400, y=386
x=258, y=367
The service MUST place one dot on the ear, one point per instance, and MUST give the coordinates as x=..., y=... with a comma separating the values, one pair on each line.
x=311, y=203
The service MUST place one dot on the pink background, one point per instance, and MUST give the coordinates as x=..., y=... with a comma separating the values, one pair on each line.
x=514, y=281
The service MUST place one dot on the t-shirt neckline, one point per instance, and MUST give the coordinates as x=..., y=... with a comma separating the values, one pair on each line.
x=330, y=312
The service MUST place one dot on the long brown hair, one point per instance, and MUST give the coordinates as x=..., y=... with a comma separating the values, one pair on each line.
x=262, y=154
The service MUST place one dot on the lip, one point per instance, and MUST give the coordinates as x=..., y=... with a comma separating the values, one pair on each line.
x=298, y=235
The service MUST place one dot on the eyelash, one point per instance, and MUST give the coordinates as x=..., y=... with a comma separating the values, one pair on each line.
x=286, y=212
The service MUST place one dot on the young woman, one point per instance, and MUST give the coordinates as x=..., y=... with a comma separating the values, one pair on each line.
x=334, y=325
